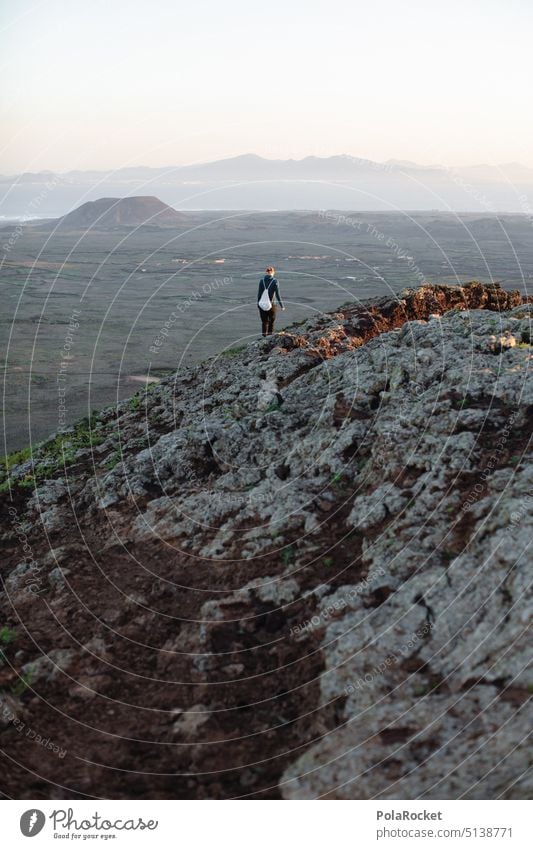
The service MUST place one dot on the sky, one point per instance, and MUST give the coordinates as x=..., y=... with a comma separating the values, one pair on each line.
x=112, y=83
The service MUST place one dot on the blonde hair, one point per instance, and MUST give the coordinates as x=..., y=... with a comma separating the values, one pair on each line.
x=270, y=269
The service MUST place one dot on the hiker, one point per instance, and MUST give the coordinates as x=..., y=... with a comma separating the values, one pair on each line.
x=268, y=288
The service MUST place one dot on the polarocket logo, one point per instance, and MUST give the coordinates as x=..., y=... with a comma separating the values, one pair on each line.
x=32, y=822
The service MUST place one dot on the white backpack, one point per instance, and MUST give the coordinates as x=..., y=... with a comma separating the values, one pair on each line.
x=264, y=301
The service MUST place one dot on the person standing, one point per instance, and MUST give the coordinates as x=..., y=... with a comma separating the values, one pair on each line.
x=268, y=290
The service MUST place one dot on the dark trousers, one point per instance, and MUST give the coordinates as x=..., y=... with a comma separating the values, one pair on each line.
x=268, y=318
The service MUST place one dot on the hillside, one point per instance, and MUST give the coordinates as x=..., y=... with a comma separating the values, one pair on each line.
x=210, y=594
x=121, y=212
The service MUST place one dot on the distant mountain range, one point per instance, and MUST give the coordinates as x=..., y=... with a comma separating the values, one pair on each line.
x=253, y=182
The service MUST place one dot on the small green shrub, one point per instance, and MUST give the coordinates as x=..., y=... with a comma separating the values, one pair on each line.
x=287, y=555
x=6, y=638
x=7, y=635
x=113, y=459
x=23, y=683
x=27, y=482
x=135, y=403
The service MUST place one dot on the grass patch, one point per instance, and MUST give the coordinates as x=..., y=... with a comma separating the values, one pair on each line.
x=63, y=448
x=15, y=458
x=163, y=371
x=233, y=352
x=50, y=456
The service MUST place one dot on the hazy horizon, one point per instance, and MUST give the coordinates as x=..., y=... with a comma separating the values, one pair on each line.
x=253, y=154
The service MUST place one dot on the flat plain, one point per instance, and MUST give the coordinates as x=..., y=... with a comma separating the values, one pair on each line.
x=107, y=311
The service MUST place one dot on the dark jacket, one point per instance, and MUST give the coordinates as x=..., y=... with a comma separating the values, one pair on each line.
x=273, y=289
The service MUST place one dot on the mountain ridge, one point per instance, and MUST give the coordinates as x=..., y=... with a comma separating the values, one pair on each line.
x=253, y=159
x=250, y=181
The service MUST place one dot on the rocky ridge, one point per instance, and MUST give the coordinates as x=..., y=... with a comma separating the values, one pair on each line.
x=212, y=594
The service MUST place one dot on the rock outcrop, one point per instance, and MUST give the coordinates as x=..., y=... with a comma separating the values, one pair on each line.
x=208, y=595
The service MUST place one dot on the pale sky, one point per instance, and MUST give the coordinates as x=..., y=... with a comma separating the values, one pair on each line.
x=109, y=83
